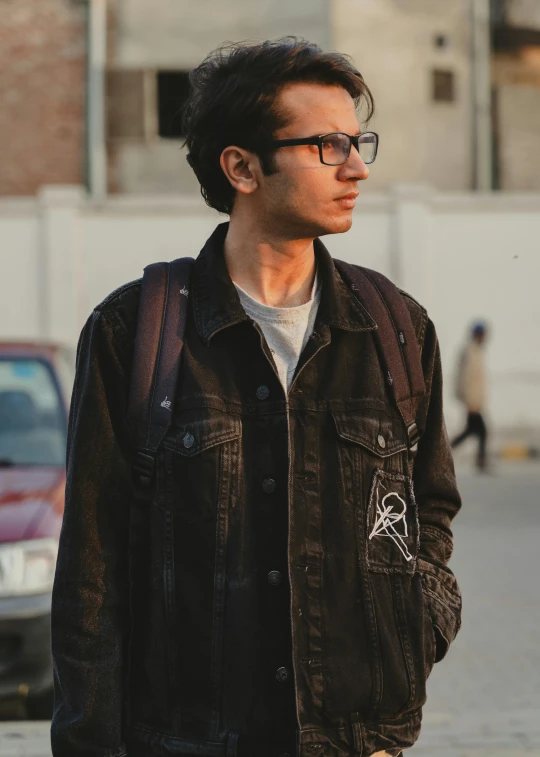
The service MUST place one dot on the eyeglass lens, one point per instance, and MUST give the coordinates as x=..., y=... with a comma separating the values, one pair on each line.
x=336, y=148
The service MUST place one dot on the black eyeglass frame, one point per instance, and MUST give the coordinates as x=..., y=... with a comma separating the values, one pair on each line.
x=318, y=141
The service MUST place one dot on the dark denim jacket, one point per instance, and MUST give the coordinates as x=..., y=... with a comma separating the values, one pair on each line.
x=286, y=589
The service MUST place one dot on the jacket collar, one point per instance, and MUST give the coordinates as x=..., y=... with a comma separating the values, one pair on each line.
x=217, y=305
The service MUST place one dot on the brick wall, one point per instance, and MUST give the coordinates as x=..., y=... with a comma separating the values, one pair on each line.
x=42, y=94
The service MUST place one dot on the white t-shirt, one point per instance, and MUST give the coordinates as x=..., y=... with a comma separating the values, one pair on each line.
x=286, y=330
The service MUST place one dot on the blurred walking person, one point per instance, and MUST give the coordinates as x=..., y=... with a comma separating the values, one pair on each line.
x=472, y=392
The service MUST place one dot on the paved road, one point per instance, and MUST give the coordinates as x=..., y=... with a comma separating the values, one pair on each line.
x=25, y=739
x=484, y=697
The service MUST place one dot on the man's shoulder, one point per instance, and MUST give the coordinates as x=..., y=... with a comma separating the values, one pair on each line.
x=129, y=290
x=120, y=308
x=412, y=303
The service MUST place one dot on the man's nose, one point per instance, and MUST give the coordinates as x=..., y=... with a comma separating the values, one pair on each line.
x=355, y=166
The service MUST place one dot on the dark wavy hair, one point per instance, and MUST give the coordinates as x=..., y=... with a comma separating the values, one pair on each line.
x=232, y=101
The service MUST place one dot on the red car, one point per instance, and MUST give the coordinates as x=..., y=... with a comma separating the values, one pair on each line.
x=35, y=383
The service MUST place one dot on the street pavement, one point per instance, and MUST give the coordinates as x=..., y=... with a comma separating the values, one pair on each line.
x=484, y=697
x=19, y=738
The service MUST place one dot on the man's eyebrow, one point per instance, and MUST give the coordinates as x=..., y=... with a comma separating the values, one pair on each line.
x=342, y=131
x=332, y=131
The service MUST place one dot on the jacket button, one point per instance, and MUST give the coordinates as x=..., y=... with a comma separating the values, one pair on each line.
x=268, y=485
x=282, y=674
x=262, y=392
x=274, y=577
x=382, y=441
x=189, y=440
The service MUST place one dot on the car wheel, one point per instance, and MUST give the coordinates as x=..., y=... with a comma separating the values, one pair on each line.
x=40, y=706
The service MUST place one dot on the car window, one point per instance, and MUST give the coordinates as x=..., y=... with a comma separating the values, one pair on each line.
x=32, y=419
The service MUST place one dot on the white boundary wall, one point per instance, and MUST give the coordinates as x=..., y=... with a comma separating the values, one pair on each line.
x=464, y=256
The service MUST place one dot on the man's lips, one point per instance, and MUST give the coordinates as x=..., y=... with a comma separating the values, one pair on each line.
x=348, y=200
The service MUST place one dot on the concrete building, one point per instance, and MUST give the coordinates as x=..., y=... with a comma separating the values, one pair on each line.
x=154, y=47
x=516, y=88
x=415, y=55
x=426, y=126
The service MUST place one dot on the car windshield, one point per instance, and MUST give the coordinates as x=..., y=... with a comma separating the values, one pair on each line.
x=32, y=419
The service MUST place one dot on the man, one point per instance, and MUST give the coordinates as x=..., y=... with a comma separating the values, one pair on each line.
x=263, y=603
x=472, y=391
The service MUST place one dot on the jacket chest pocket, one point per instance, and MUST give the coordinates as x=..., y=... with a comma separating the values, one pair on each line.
x=377, y=452
x=203, y=452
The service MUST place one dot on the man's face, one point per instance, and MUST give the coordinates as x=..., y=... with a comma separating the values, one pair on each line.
x=305, y=197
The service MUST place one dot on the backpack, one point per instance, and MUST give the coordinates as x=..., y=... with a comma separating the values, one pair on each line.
x=160, y=336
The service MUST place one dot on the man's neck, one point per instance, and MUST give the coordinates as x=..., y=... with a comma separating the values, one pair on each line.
x=272, y=269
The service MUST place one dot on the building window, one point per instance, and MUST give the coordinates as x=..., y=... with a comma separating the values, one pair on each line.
x=172, y=93
x=443, y=86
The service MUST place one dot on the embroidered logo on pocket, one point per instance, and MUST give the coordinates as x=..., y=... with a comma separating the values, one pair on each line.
x=390, y=521
x=392, y=524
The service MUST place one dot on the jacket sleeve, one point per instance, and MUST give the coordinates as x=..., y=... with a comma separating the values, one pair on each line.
x=438, y=502
x=90, y=600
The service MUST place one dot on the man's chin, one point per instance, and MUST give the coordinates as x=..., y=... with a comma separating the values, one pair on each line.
x=313, y=227
x=337, y=225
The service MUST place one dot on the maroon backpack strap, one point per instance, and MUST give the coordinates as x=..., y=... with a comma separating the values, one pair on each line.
x=161, y=323
x=395, y=337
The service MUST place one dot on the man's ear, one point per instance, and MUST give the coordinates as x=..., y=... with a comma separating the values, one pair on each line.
x=242, y=168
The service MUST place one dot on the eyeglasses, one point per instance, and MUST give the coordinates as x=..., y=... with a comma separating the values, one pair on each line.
x=335, y=147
